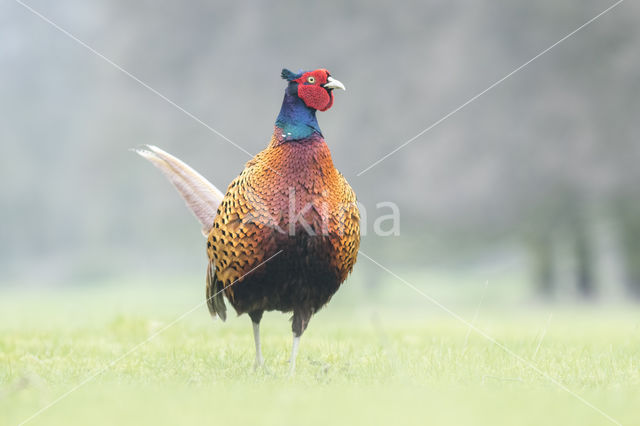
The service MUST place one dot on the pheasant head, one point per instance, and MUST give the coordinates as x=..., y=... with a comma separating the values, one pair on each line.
x=307, y=92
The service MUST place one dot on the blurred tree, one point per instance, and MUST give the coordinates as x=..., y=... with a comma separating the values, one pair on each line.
x=628, y=215
x=526, y=165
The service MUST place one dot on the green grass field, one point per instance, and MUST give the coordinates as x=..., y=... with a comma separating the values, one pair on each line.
x=362, y=361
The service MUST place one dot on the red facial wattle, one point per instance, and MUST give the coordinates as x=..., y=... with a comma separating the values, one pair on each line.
x=312, y=93
x=316, y=97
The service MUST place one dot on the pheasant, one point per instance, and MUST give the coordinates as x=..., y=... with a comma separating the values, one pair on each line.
x=286, y=233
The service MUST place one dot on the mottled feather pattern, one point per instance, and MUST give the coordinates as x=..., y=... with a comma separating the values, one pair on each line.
x=285, y=187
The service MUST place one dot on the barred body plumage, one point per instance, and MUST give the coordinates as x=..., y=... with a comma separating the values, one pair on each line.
x=289, y=198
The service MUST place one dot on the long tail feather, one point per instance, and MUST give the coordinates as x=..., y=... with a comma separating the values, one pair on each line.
x=199, y=194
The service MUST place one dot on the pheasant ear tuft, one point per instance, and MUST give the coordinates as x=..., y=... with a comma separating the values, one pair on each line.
x=289, y=75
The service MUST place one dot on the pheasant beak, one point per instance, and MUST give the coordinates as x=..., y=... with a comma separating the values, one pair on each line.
x=332, y=83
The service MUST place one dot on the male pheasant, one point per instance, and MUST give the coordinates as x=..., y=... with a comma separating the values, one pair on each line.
x=286, y=233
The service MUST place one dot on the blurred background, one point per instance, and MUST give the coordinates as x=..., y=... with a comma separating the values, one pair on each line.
x=531, y=191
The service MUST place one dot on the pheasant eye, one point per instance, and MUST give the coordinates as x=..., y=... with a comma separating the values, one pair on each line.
x=311, y=79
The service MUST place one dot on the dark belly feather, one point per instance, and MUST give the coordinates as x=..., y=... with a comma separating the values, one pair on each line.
x=300, y=277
